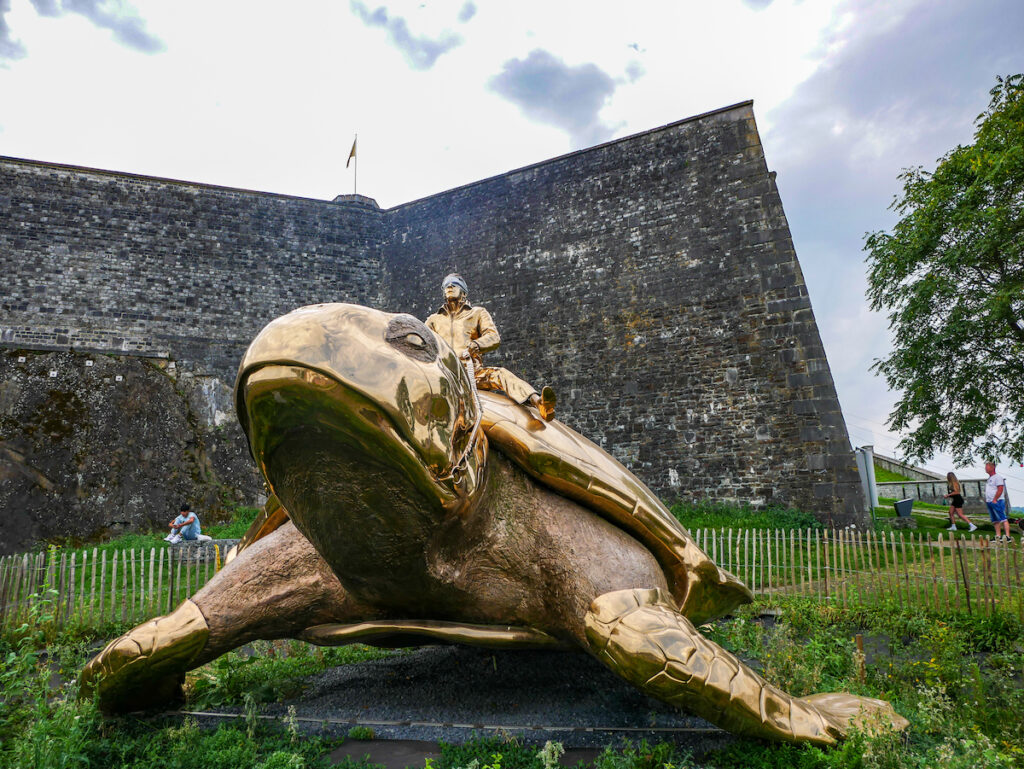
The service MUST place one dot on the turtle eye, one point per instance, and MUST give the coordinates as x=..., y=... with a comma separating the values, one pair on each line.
x=411, y=337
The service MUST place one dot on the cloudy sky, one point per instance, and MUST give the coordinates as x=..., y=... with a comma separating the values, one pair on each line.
x=268, y=96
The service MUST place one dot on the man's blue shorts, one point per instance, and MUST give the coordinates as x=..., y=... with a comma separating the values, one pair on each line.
x=997, y=510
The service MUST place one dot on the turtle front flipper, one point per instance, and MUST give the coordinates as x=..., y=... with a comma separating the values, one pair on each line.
x=146, y=666
x=276, y=588
x=641, y=636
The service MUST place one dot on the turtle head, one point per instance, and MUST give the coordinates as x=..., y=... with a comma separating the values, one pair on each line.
x=360, y=419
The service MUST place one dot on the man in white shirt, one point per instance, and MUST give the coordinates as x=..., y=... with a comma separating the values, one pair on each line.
x=995, y=499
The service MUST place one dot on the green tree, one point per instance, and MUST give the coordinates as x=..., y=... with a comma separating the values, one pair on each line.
x=950, y=275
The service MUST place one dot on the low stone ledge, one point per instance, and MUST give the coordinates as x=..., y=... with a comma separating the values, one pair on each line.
x=201, y=551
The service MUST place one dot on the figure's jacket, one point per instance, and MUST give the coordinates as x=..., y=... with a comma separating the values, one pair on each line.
x=466, y=324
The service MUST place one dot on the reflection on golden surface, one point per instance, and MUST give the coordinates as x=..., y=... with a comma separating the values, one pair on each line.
x=406, y=507
x=408, y=632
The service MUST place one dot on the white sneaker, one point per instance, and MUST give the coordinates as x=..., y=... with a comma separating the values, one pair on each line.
x=973, y=527
x=952, y=527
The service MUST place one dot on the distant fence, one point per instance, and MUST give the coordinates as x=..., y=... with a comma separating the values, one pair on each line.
x=846, y=567
x=843, y=567
x=932, y=492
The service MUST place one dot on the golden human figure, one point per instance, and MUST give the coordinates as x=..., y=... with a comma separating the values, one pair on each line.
x=471, y=332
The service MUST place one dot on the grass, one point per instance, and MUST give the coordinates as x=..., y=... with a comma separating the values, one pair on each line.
x=265, y=672
x=956, y=677
x=888, y=476
x=241, y=519
x=719, y=515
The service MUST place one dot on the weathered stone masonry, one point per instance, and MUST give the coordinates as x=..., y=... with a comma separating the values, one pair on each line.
x=651, y=280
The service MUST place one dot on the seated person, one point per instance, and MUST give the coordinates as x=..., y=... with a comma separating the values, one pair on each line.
x=471, y=333
x=184, y=527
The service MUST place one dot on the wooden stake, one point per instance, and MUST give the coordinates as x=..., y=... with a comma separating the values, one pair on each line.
x=152, y=565
x=828, y=545
x=817, y=559
x=861, y=659
x=103, y=585
x=113, y=587
x=792, y=561
x=92, y=587
x=942, y=570
x=160, y=582
x=177, y=580
x=124, y=586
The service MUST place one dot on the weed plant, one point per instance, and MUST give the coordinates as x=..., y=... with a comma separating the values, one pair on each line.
x=715, y=515
x=267, y=671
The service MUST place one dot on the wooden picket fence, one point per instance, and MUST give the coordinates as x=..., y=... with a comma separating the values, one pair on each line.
x=939, y=572
x=843, y=567
x=100, y=587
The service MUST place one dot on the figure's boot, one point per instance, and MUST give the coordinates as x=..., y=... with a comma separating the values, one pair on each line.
x=641, y=636
x=546, y=406
x=146, y=666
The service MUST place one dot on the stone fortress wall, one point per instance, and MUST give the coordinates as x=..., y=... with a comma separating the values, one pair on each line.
x=103, y=261
x=651, y=280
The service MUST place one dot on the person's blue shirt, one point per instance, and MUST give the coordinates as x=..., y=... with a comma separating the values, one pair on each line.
x=192, y=530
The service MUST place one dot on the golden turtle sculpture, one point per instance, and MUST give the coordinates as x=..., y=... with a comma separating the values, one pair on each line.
x=408, y=508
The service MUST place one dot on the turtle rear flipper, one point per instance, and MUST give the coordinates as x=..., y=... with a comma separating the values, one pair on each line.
x=641, y=636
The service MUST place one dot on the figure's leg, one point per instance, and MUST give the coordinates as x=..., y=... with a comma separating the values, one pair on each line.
x=640, y=635
x=503, y=380
x=275, y=588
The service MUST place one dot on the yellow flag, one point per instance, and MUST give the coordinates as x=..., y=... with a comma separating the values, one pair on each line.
x=352, y=154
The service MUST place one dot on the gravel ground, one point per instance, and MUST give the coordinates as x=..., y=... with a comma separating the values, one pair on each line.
x=465, y=692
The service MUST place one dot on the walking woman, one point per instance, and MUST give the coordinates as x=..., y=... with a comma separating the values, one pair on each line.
x=955, y=496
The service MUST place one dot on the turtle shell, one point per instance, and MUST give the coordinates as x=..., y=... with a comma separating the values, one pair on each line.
x=566, y=462
x=563, y=460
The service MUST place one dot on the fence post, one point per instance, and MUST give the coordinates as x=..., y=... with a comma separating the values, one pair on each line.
x=963, y=572
x=92, y=586
x=827, y=545
x=906, y=569
x=149, y=595
x=133, y=600
x=177, y=581
x=62, y=576
x=19, y=588
x=1016, y=569
x=980, y=573
x=5, y=576
x=1013, y=580
x=103, y=585
x=73, y=588
x=792, y=560
x=760, y=571
x=113, y=587
x=942, y=569
x=160, y=583
x=126, y=599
